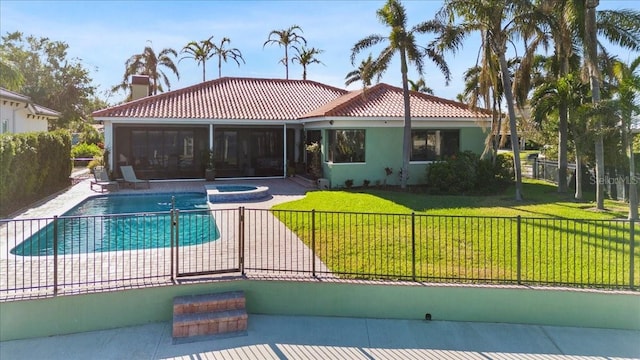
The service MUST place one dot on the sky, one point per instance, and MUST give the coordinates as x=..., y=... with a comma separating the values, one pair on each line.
x=102, y=35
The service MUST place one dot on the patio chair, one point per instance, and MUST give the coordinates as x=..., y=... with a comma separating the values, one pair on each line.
x=131, y=178
x=101, y=179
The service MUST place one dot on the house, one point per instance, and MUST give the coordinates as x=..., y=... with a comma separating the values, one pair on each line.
x=19, y=114
x=260, y=127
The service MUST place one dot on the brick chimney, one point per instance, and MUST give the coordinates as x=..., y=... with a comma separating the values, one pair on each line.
x=139, y=87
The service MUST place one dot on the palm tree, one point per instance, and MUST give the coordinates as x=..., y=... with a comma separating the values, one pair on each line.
x=591, y=62
x=224, y=54
x=403, y=42
x=286, y=38
x=148, y=63
x=307, y=57
x=364, y=73
x=200, y=52
x=628, y=90
x=498, y=21
x=564, y=22
x=420, y=86
x=483, y=87
x=545, y=102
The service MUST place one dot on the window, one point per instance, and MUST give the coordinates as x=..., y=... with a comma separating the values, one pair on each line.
x=346, y=146
x=428, y=145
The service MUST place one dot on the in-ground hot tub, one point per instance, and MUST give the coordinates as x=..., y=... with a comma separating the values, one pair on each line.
x=235, y=192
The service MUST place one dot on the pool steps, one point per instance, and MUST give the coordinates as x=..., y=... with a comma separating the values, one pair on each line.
x=200, y=317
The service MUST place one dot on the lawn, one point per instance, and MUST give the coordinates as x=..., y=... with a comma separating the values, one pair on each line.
x=367, y=233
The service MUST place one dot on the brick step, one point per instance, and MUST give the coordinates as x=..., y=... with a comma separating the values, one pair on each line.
x=191, y=304
x=209, y=323
x=203, y=316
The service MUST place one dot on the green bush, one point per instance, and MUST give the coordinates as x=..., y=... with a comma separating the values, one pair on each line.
x=85, y=150
x=32, y=165
x=467, y=173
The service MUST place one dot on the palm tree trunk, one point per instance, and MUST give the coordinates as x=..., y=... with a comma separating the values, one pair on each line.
x=633, y=184
x=406, y=144
x=578, y=194
x=562, y=146
x=286, y=61
x=591, y=53
x=508, y=95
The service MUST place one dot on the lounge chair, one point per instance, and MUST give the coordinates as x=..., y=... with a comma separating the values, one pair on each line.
x=131, y=178
x=101, y=179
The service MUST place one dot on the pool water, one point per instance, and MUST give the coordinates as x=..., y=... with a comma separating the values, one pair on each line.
x=125, y=222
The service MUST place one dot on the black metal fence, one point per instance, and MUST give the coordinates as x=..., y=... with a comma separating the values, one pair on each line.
x=75, y=254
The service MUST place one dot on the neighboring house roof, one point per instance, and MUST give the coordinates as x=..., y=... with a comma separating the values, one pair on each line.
x=231, y=98
x=383, y=100
x=278, y=99
x=36, y=110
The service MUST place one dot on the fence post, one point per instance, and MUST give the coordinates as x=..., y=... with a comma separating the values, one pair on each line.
x=55, y=255
x=631, y=251
x=519, y=249
x=313, y=242
x=241, y=239
x=413, y=245
x=176, y=227
x=171, y=226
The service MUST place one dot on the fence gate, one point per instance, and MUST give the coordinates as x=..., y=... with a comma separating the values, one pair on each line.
x=207, y=242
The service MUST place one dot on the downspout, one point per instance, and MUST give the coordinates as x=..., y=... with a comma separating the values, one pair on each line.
x=211, y=136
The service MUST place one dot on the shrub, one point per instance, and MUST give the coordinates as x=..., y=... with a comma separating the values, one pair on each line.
x=32, y=165
x=366, y=183
x=85, y=150
x=466, y=172
x=348, y=183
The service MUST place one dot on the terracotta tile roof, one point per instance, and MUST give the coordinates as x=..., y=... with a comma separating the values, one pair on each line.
x=279, y=99
x=383, y=100
x=231, y=98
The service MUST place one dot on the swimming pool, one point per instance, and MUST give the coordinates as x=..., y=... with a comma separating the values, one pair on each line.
x=124, y=222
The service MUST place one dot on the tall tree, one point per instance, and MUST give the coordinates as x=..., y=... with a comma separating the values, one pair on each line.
x=591, y=62
x=200, y=51
x=420, y=86
x=364, y=73
x=10, y=76
x=48, y=76
x=150, y=64
x=224, y=54
x=306, y=57
x=286, y=38
x=402, y=41
x=564, y=27
x=628, y=103
x=499, y=22
x=545, y=102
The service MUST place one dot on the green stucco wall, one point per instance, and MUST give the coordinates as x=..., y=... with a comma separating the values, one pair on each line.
x=79, y=313
x=383, y=148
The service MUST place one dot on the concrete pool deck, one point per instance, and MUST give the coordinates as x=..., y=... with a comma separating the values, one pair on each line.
x=308, y=337
x=281, y=190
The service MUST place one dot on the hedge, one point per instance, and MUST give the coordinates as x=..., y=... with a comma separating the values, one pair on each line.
x=32, y=165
